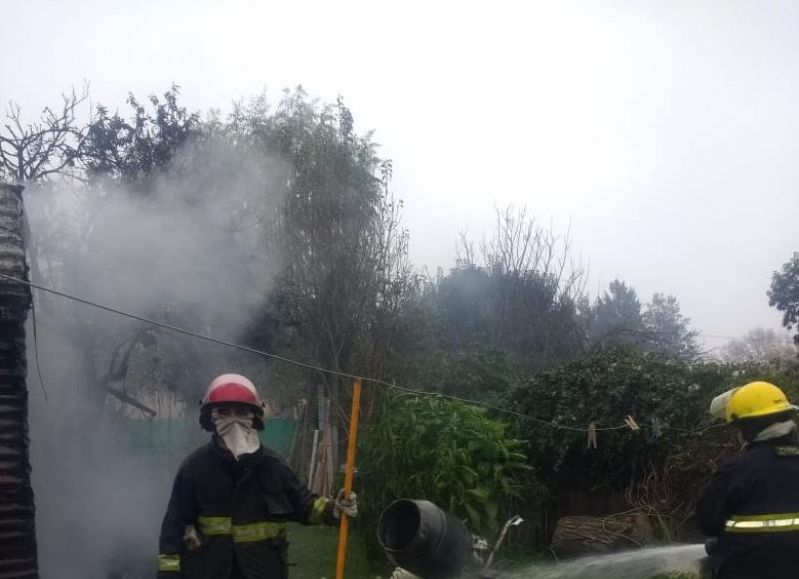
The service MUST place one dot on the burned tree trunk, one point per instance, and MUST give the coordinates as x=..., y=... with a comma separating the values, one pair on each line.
x=17, y=528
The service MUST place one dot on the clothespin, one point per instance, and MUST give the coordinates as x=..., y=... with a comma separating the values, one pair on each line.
x=656, y=429
x=631, y=423
x=591, y=435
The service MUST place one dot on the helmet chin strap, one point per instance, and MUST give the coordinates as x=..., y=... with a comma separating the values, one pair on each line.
x=237, y=432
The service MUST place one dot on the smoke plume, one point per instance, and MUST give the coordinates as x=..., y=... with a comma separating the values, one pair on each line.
x=192, y=247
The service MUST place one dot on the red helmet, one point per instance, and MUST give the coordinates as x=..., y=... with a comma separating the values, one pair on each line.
x=230, y=389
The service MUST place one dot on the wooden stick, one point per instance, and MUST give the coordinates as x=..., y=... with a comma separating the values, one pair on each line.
x=352, y=443
x=311, y=472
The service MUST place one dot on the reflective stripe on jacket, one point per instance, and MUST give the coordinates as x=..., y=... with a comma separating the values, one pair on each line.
x=763, y=523
x=752, y=506
x=239, y=510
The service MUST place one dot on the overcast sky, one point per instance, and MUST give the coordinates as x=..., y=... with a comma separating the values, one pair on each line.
x=666, y=133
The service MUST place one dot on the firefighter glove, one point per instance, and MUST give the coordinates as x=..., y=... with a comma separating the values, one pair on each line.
x=347, y=504
x=191, y=539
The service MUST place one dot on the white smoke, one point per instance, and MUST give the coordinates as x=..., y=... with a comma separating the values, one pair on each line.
x=192, y=249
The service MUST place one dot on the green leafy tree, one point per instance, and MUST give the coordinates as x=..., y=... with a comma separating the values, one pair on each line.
x=133, y=149
x=506, y=307
x=342, y=267
x=617, y=316
x=520, y=313
x=784, y=293
x=343, y=250
x=668, y=330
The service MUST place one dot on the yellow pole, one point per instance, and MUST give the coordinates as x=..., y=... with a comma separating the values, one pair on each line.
x=352, y=443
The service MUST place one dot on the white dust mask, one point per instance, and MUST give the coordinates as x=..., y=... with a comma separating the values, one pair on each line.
x=776, y=430
x=237, y=432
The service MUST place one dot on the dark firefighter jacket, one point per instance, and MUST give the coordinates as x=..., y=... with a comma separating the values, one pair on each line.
x=240, y=509
x=752, y=506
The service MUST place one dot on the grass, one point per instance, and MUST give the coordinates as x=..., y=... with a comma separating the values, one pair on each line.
x=312, y=554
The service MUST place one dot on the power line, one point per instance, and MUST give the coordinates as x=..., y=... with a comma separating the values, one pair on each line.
x=255, y=351
x=655, y=333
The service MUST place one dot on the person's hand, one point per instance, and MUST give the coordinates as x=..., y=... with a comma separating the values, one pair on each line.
x=191, y=540
x=347, y=504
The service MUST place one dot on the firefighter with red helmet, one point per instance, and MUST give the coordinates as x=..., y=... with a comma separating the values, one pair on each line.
x=232, y=497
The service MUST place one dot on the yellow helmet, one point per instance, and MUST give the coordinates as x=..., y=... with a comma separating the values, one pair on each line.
x=756, y=399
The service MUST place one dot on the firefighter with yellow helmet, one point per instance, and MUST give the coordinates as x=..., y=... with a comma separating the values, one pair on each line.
x=751, y=505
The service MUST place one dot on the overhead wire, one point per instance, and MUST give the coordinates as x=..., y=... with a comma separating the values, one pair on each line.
x=308, y=366
x=20, y=237
x=36, y=350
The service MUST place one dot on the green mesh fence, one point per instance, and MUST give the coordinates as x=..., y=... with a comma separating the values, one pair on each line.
x=168, y=436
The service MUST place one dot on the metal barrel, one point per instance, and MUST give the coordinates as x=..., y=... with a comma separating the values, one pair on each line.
x=423, y=539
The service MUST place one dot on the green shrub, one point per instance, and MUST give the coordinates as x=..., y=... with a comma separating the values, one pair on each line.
x=667, y=397
x=426, y=447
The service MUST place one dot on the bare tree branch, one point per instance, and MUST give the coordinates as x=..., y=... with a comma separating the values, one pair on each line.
x=45, y=148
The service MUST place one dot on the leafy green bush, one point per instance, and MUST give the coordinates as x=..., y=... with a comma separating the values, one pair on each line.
x=668, y=399
x=477, y=374
x=425, y=447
